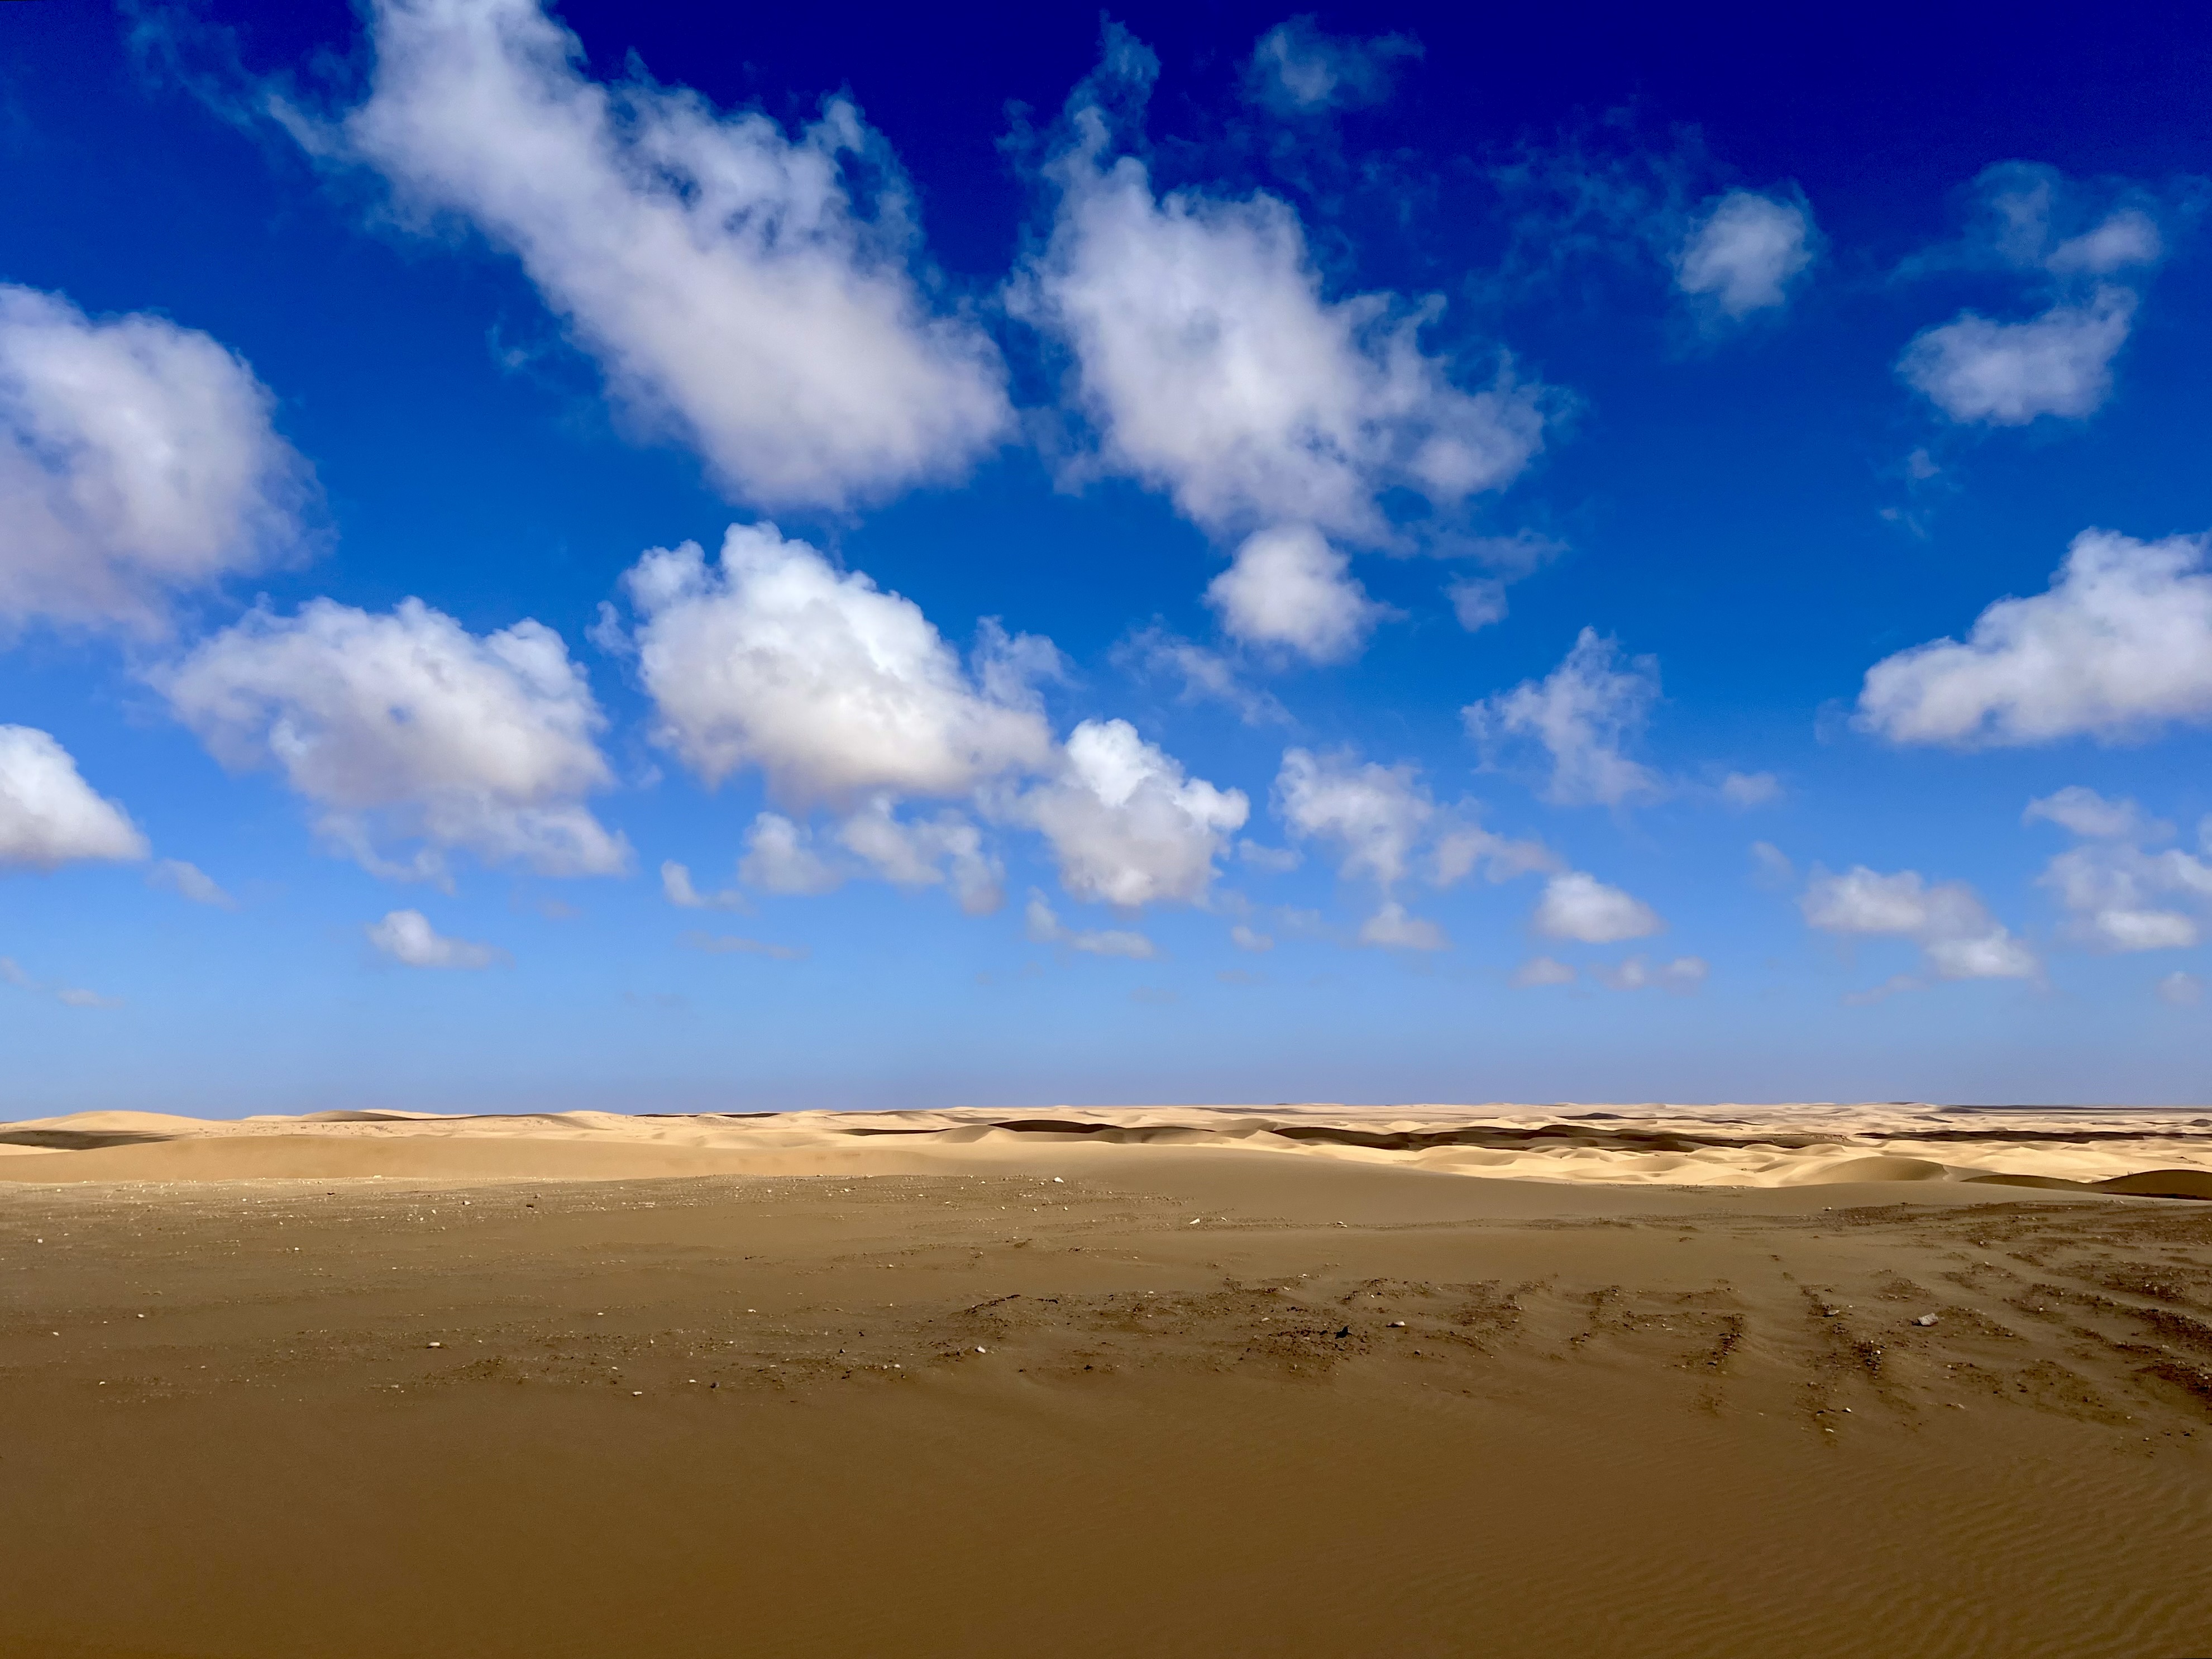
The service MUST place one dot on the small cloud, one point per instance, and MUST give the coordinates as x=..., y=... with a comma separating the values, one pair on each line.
x=1044, y=927
x=2090, y=816
x=1152, y=996
x=1744, y=790
x=1248, y=938
x=1478, y=602
x=1895, y=985
x=675, y=883
x=76, y=998
x=407, y=936
x=2180, y=990
x=1298, y=69
x=1543, y=971
x=1392, y=929
x=1576, y=905
x=1238, y=976
x=1206, y=674
x=189, y=881
x=724, y=944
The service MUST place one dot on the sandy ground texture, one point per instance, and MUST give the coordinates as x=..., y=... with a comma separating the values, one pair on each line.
x=1496, y=1380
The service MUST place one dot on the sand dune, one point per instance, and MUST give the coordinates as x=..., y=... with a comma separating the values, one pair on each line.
x=2140, y=1153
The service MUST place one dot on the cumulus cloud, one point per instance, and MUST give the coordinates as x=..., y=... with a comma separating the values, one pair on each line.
x=1392, y=929
x=834, y=689
x=1388, y=826
x=756, y=294
x=1742, y=253
x=1376, y=813
x=2073, y=238
x=2118, y=895
x=405, y=727
x=1288, y=587
x=1043, y=926
x=1681, y=976
x=945, y=849
x=137, y=462
x=1770, y=866
x=1211, y=367
x=1975, y=369
x=1584, y=713
x=2120, y=644
x=1250, y=939
x=189, y=881
x=1125, y=822
x=1576, y=905
x=1956, y=934
x=49, y=815
x=407, y=936
x=1543, y=971
x=1297, y=69
x=780, y=858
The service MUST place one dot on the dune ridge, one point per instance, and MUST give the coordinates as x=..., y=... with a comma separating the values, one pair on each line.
x=2133, y=1152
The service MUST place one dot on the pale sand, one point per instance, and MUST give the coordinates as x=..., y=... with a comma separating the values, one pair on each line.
x=1421, y=1381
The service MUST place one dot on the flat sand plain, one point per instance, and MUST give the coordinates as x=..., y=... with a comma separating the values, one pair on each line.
x=1285, y=1381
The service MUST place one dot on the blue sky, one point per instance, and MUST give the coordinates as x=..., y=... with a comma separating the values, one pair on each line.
x=679, y=561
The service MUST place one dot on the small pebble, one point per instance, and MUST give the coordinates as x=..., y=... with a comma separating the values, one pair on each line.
x=437, y=1345
x=1397, y=1324
x=1925, y=1319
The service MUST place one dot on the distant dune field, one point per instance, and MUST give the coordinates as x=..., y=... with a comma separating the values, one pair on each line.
x=1282, y=1381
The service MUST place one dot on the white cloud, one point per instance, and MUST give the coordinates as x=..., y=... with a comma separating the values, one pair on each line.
x=49, y=816
x=780, y=858
x=945, y=849
x=732, y=281
x=407, y=727
x=136, y=462
x=676, y=885
x=407, y=936
x=1955, y=932
x=1250, y=939
x=2181, y=990
x=1463, y=846
x=1043, y=926
x=1576, y=905
x=1681, y=976
x=1391, y=928
x=1376, y=813
x=189, y=881
x=834, y=689
x=1743, y=790
x=1287, y=587
x=1583, y=713
x=1742, y=253
x=1211, y=367
x=72, y=996
x=2091, y=816
x=2120, y=644
x=1297, y=69
x=1543, y=971
x=2118, y=895
x=1477, y=602
x=1382, y=816
x=1975, y=369
x=724, y=944
x=1126, y=824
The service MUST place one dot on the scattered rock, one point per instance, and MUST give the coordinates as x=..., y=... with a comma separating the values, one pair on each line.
x=1925, y=1319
